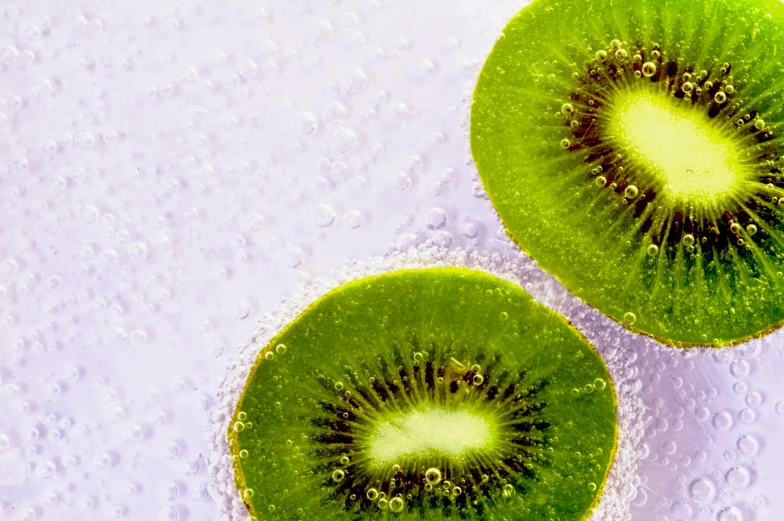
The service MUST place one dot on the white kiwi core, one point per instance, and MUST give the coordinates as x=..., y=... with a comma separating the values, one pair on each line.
x=430, y=433
x=691, y=158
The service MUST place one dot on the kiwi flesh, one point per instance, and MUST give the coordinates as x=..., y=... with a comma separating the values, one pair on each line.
x=425, y=394
x=633, y=149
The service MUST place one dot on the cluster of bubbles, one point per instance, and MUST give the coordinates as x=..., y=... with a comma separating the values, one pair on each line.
x=616, y=497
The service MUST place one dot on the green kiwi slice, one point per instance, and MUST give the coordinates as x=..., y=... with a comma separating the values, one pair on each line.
x=425, y=394
x=632, y=148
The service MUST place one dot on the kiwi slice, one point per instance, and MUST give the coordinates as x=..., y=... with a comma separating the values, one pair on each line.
x=425, y=394
x=631, y=147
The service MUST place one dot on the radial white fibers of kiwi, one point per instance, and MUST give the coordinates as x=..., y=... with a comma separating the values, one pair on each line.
x=608, y=338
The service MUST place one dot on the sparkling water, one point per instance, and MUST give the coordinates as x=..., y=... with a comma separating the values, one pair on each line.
x=180, y=177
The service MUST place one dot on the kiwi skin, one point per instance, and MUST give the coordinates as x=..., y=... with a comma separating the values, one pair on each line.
x=461, y=300
x=514, y=114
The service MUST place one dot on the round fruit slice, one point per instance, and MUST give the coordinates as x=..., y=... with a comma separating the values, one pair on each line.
x=425, y=394
x=632, y=148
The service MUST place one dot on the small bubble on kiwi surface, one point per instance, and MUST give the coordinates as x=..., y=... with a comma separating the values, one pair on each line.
x=430, y=439
x=676, y=137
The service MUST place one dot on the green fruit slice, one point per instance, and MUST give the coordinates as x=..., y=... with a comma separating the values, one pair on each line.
x=425, y=394
x=632, y=148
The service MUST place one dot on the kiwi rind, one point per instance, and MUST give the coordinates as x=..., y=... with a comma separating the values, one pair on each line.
x=455, y=306
x=533, y=183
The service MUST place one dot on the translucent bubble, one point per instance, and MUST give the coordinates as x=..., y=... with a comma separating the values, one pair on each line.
x=171, y=449
x=748, y=445
x=621, y=54
x=722, y=421
x=753, y=399
x=630, y=318
x=353, y=219
x=45, y=469
x=170, y=491
x=631, y=192
x=747, y=416
x=738, y=478
x=436, y=218
x=702, y=490
x=169, y=514
x=401, y=180
x=720, y=97
x=396, y=504
x=688, y=87
x=372, y=494
x=751, y=229
x=323, y=215
x=740, y=368
x=102, y=461
x=688, y=239
x=601, y=56
x=307, y=123
x=649, y=69
x=133, y=433
x=191, y=466
x=565, y=144
x=567, y=108
x=470, y=230
x=442, y=239
x=601, y=181
x=730, y=514
x=759, y=124
x=433, y=476
x=653, y=250
x=345, y=140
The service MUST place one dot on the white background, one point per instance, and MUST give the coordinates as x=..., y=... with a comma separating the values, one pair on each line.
x=169, y=171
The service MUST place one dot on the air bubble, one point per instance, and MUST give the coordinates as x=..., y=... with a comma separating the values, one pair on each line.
x=730, y=514
x=653, y=250
x=601, y=56
x=567, y=108
x=353, y=219
x=738, y=478
x=631, y=192
x=396, y=504
x=702, y=490
x=747, y=416
x=748, y=445
x=740, y=368
x=630, y=318
x=436, y=218
x=601, y=181
x=722, y=421
x=720, y=97
x=565, y=144
x=432, y=475
x=649, y=69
